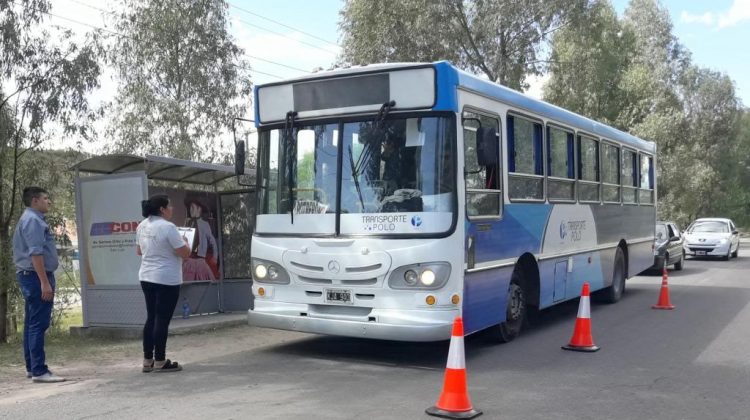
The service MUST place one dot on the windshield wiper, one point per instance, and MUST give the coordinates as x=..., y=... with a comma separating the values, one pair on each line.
x=355, y=175
x=290, y=145
x=365, y=156
x=378, y=126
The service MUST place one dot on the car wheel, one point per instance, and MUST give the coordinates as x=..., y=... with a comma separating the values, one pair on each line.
x=678, y=264
x=736, y=251
x=614, y=292
x=729, y=254
x=515, y=311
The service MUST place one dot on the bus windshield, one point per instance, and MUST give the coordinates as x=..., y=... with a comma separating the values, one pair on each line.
x=378, y=177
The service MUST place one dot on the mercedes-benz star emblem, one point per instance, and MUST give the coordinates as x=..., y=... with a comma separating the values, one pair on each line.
x=333, y=266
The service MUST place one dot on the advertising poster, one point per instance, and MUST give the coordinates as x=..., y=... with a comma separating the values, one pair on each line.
x=196, y=212
x=110, y=214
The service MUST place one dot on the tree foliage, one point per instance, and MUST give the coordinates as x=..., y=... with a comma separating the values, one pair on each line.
x=181, y=78
x=500, y=38
x=588, y=64
x=45, y=78
x=633, y=73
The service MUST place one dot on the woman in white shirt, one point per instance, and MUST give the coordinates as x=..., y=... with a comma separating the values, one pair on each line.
x=162, y=250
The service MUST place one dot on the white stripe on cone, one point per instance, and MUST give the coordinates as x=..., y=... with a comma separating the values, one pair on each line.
x=584, y=309
x=456, y=354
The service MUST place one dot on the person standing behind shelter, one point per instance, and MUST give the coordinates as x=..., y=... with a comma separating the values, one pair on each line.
x=35, y=258
x=162, y=250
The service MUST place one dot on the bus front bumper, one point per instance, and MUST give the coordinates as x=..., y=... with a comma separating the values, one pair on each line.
x=398, y=325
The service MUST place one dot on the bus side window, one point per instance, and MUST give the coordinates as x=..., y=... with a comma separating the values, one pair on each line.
x=646, y=193
x=588, y=169
x=610, y=173
x=482, y=175
x=560, y=165
x=629, y=177
x=525, y=159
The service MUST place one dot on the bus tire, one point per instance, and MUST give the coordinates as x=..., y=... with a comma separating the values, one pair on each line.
x=515, y=311
x=614, y=292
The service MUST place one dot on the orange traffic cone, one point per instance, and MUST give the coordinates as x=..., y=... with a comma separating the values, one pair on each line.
x=582, y=339
x=663, y=302
x=454, y=401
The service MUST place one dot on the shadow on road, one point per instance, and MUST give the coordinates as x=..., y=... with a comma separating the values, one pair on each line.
x=381, y=352
x=430, y=355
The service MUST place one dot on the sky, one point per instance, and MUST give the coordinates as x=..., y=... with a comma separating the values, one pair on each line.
x=290, y=38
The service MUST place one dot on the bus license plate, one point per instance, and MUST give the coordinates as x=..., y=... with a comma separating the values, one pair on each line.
x=700, y=252
x=338, y=296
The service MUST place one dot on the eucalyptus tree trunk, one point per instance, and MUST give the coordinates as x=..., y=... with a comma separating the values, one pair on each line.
x=6, y=276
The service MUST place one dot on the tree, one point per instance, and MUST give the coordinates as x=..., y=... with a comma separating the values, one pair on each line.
x=500, y=38
x=712, y=114
x=181, y=78
x=46, y=83
x=588, y=63
x=739, y=183
x=658, y=63
x=642, y=81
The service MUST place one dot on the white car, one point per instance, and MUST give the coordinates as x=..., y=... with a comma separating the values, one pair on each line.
x=714, y=237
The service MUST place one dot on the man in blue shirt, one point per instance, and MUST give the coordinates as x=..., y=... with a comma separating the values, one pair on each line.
x=35, y=257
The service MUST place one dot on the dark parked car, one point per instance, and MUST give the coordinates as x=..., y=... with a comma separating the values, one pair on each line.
x=668, y=246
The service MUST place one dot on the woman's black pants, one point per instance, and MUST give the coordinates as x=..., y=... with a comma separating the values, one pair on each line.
x=161, y=301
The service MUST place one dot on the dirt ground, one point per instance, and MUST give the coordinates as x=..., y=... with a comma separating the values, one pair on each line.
x=88, y=362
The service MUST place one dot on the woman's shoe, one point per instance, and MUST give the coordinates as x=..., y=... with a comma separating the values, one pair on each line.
x=168, y=366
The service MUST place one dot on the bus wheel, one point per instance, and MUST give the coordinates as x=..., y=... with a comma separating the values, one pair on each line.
x=614, y=292
x=515, y=314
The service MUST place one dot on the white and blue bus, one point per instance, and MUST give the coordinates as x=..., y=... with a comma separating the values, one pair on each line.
x=393, y=198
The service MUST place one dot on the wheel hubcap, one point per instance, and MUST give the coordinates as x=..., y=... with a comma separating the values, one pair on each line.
x=515, y=309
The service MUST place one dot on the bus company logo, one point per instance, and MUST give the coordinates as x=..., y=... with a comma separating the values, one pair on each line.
x=416, y=221
x=113, y=228
x=563, y=230
x=334, y=267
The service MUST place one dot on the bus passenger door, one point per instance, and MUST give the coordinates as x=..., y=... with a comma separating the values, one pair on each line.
x=484, y=290
x=561, y=277
x=483, y=178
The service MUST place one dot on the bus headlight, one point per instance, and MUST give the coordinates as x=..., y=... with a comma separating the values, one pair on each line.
x=424, y=276
x=427, y=278
x=260, y=271
x=269, y=272
x=410, y=277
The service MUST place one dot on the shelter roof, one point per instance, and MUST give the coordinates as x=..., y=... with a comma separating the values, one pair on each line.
x=158, y=168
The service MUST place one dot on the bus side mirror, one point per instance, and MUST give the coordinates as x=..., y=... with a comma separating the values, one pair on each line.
x=487, y=146
x=239, y=158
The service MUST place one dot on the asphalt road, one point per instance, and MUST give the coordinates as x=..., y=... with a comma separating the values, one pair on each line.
x=689, y=363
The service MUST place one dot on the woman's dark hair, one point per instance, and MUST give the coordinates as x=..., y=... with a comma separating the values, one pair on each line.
x=154, y=204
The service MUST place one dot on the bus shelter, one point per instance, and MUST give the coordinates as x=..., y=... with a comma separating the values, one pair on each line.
x=210, y=208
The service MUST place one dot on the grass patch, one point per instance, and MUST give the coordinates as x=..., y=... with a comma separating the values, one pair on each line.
x=71, y=318
x=62, y=348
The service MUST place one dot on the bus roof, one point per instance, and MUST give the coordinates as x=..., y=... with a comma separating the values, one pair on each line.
x=450, y=77
x=523, y=102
